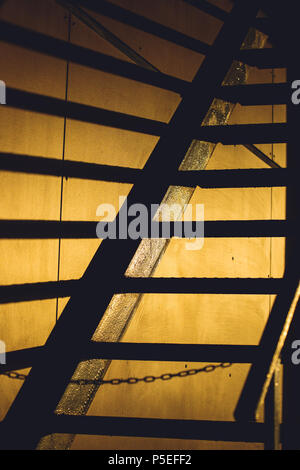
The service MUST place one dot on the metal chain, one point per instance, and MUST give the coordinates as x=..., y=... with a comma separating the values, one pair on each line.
x=152, y=378
x=14, y=375
x=133, y=380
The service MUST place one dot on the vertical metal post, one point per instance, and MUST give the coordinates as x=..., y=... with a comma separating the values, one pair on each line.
x=273, y=412
x=291, y=377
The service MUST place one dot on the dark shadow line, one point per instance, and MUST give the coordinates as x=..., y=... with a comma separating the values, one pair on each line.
x=191, y=178
x=69, y=168
x=54, y=47
x=37, y=291
x=162, y=352
x=48, y=229
x=144, y=24
x=56, y=107
x=157, y=428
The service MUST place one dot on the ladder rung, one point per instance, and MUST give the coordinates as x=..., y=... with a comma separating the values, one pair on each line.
x=255, y=95
x=262, y=58
x=262, y=24
x=159, y=428
x=37, y=291
x=68, y=168
x=238, y=354
x=168, y=285
x=239, y=134
x=172, y=352
x=21, y=359
x=49, y=229
x=80, y=112
x=80, y=55
x=192, y=178
x=208, y=8
x=250, y=178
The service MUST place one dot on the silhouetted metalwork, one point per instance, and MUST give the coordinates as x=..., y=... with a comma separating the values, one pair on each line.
x=53, y=365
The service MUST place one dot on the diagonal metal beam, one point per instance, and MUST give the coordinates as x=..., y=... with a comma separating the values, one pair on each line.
x=258, y=153
x=55, y=47
x=103, y=32
x=139, y=22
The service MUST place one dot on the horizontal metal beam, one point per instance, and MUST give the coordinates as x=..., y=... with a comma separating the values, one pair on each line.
x=56, y=107
x=21, y=359
x=37, y=291
x=67, y=168
x=54, y=47
x=103, y=32
x=158, y=428
x=188, y=178
x=255, y=95
x=140, y=22
x=249, y=178
x=172, y=352
x=271, y=345
x=168, y=285
x=223, y=353
x=240, y=134
x=48, y=229
x=262, y=24
x=262, y=58
x=208, y=8
x=230, y=135
x=48, y=380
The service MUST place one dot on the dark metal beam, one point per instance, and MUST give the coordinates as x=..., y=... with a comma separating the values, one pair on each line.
x=37, y=291
x=54, y=47
x=49, y=229
x=56, y=107
x=140, y=22
x=285, y=305
x=263, y=58
x=228, y=134
x=67, y=168
x=106, y=34
x=272, y=416
x=262, y=156
x=262, y=24
x=189, y=178
x=58, y=289
x=255, y=95
x=21, y=359
x=203, y=286
x=51, y=378
x=208, y=8
x=241, y=134
x=157, y=428
x=238, y=354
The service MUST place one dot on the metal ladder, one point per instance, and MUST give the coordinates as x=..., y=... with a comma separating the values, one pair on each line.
x=32, y=415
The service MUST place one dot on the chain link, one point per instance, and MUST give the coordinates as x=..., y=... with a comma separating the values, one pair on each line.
x=134, y=380
x=14, y=375
x=152, y=378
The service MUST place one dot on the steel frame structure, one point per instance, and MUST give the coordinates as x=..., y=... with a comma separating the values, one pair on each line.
x=48, y=377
